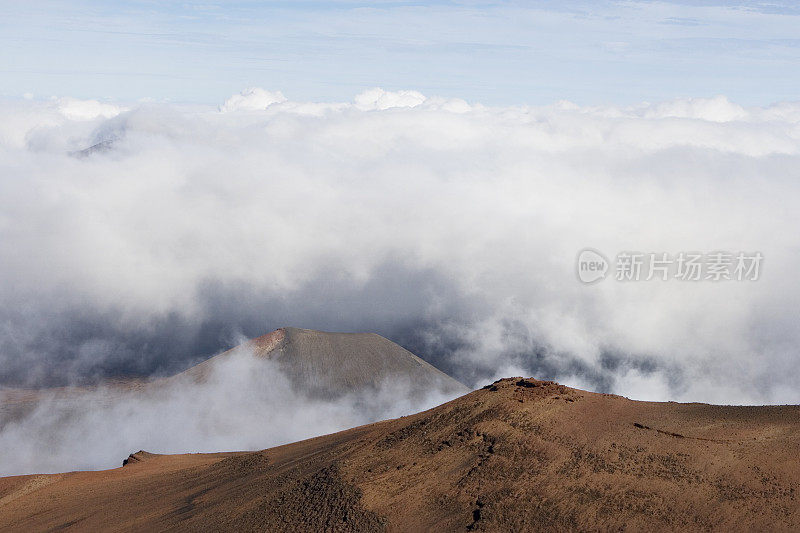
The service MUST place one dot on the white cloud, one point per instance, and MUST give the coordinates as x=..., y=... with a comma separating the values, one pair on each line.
x=252, y=99
x=379, y=99
x=716, y=109
x=75, y=109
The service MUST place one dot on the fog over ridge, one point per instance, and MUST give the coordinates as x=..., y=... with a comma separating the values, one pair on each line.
x=244, y=402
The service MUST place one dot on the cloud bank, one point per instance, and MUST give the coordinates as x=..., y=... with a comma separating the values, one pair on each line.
x=449, y=227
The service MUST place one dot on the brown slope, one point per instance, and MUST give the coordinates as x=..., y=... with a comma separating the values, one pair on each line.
x=332, y=364
x=519, y=455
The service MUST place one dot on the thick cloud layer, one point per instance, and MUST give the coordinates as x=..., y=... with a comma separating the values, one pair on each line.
x=136, y=239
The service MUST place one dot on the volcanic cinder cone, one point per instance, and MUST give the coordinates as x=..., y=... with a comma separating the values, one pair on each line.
x=332, y=364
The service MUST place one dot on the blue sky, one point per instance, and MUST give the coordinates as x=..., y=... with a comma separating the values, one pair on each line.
x=491, y=52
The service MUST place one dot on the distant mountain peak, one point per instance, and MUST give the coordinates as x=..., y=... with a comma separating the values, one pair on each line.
x=332, y=363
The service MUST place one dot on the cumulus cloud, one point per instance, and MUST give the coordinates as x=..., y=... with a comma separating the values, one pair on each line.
x=716, y=109
x=252, y=99
x=75, y=109
x=450, y=227
x=379, y=99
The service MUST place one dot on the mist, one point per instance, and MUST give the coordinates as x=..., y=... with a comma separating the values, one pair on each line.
x=246, y=403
